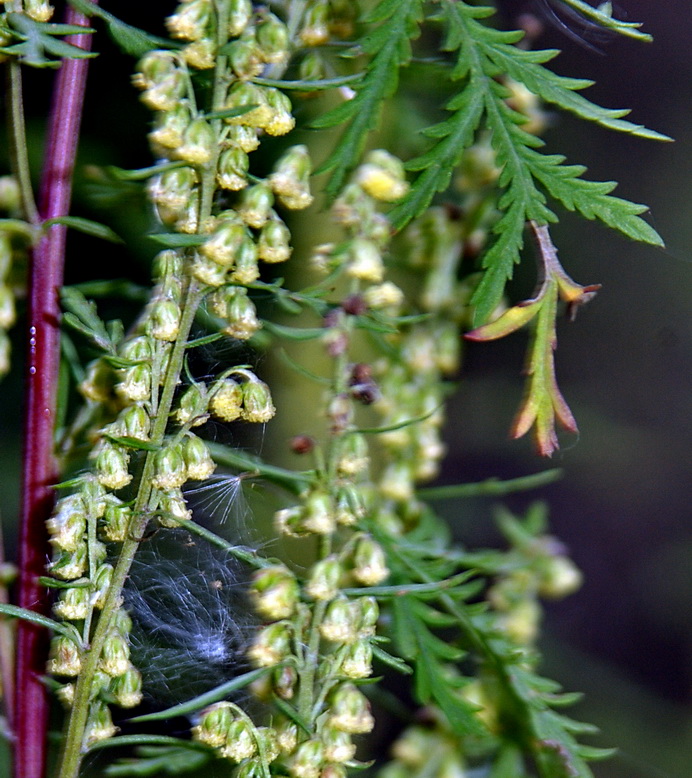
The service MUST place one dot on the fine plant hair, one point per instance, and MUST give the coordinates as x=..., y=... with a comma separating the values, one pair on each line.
x=315, y=272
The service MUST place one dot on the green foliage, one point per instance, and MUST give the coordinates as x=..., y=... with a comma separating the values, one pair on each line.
x=38, y=42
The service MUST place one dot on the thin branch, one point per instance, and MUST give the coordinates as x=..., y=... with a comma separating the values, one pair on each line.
x=39, y=465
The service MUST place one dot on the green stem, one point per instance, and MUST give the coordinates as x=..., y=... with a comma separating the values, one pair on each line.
x=20, y=155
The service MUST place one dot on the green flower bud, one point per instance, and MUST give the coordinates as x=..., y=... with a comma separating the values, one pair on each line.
x=7, y=310
x=116, y=519
x=111, y=466
x=115, y=655
x=137, y=349
x=197, y=459
x=338, y=746
x=169, y=128
x=244, y=138
x=10, y=197
x=250, y=768
x=240, y=741
x=520, y=623
x=165, y=94
x=353, y=207
x=271, y=645
x=369, y=565
x=280, y=119
x=201, y=54
x=289, y=522
x=273, y=40
x=65, y=694
x=315, y=28
x=213, y=724
x=153, y=67
x=38, y=10
x=191, y=20
x=99, y=724
x=559, y=577
x=353, y=457
x=290, y=180
x=341, y=622
x=70, y=565
x=386, y=295
x=127, y=688
x=135, y=384
x=164, y=320
x=135, y=422
x=169, y=263
x=173, y=509
x=397, y=482
x=245, y=58
x=67, y=523
x=198, y=143
x=232, y=171
x=365, y=261
x=242, y=94
x=324, y=579
x=101, y=583
x=256, y=205
x=233, y=304
x=273, y=245
x=192, y=406
x=275, y=592
x=312, y=68
x=308, y=760
x=369, y=612
x=188, y=220
x=226, y=400
x=224, y=243
x=208, y=272
x=319, y=514
x=98, y=382
x=121, y=623
x=358, y=661
x=287, y=736
x=72, y=604
x=350, y=711
x=382, y=176
x=169, y=468
x=64, y=657
x=257, y=402
x=284, y=682
x=268, y=742
x=172, y=189
x=246, y=270
x=239, y=16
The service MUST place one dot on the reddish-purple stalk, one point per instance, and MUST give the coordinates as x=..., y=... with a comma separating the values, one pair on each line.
x=40, y=470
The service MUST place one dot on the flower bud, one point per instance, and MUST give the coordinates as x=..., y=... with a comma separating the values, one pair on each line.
x=520, y=623
x=111, y=466
x=245, y=94
x=559, y=577
x=240, y=741
x=246, y=270
x=224, y=243
x=7, y=310
x=239, y=16
x=284, y=682
x=173, y=509
x=127, y=688
x=324, y=579
x=256, y=205
x=290, y=180
x=197, y=459
x=338, y=746
x=315, y=27
x=233, y=304
x=382, y=176
x=244, y=138
x=97, y=384
x=198, y=143
x=169, y=468
x=232, y=170
x=101, y=584
x=280, y=119
x=271, y=645
x=99, y=724
x=116, y=519
x=287, y=736
x=396, y=482
x=226, y=399
x=165, y=94
x=65, y=694
x=353, y=456
x=38, y=10
x=273, y=40
x=365, y=261
x=201, y=54
x=135, y=384
x=274, y=592
x=273, y=245
x=153, y=67
x=358, y=661
x=191, y=20
x=164, y=320
x=319, y=514
x=70, y=565
x=67, y=523
x=115, y=656
x=172, y=189
x=307, y=760
x=208, y=272
x=386, y=295
x=369, y=565
x=350, y=711
x=257, y=402
x=135, y=422
x=341, y=622
x=169, y=127
x=213, y=724
x=72, y=604
x=289, y=522
x=64, y=657
x=192, y=406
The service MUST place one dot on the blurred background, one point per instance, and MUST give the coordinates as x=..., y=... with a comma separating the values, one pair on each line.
x=625, y=367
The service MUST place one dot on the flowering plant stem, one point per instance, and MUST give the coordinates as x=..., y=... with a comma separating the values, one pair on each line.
x=39, y=466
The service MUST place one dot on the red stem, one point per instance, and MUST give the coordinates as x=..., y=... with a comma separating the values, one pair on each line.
x=40, y=469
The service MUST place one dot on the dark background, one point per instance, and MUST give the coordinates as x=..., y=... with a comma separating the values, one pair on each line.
x=625, y=368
